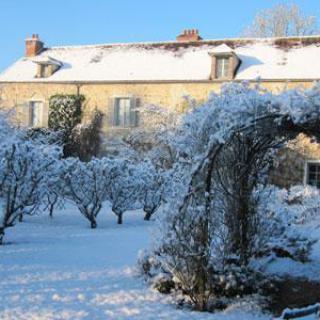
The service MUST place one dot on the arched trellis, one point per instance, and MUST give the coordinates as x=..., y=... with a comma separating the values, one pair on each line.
x=212, y=178
x=235, y=133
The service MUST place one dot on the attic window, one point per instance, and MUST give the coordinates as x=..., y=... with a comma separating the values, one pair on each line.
x=46, y=66
x=222, y=67
x=46, y=70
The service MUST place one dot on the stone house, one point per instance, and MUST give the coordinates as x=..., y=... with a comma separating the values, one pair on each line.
x=118, y=78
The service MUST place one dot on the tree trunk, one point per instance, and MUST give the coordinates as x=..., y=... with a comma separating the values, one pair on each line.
x=1, y=235
x=51, y=208
x=93, y=223
x=148, y=215
x=120, y=214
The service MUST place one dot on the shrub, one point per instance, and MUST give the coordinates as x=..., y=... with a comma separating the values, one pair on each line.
x=65, y=113
x=87, y=138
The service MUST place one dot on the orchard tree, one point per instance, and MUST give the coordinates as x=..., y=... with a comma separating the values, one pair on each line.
x=52, y=190
x=155, y=138
x=127, y=188
x=24, y=167
x=86, y=185
x=283, y=20
x=153, y=189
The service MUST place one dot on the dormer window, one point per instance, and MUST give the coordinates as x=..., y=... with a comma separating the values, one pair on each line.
x=46, y=70
x=225, y=63
x=46, y=66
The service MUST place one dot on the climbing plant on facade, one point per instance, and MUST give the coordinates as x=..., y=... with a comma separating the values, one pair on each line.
x=65, y=112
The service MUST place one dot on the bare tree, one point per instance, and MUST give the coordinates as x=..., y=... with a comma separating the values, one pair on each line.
x=86, y=185
x=23, y=176
x=153, y=188
x=127, y=188
x=283, y=20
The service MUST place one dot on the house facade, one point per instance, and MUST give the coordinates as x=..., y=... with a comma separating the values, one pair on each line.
x=118, y=78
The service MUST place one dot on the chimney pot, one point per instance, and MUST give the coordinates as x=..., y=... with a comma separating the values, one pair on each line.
x=189, y=35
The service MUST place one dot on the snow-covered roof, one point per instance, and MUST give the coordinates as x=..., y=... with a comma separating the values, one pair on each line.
x=278, y=58
x=46, y=59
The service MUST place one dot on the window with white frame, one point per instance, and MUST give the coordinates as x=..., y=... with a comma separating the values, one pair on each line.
x=222, y=67
x=313, y=173
x=35, y=113
x=125, y=115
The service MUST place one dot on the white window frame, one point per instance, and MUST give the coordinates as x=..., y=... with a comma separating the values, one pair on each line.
x=117, y=112
x=40, y=124
x=224, y=70
x=306, y=165
x=132, y=101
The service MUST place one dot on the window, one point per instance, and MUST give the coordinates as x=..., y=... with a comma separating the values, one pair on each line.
x=35, y=113
x=222, y=67
x=313, y=174
x=46, y=66
x=125, y=115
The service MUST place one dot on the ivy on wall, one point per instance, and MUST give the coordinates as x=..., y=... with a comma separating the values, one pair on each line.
x=65, y=112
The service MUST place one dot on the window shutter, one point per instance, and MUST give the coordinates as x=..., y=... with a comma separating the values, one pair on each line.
x=111, y=112
x=39, y=113
x=24, y=113
x=134, y=111
x=44, y=115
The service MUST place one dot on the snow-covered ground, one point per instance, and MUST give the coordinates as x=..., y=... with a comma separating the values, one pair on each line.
x=60, y=269
x=310, y=270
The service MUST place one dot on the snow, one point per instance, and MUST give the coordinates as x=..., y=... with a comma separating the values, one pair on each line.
x=302, y=218
x=59, y=269
x=160, y=62
x=223, y=48
x=314, y=310
x=310, y=270
x=45, y=59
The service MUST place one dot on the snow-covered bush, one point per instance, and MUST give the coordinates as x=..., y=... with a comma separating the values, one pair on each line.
x=280, y=212
x=87, y=138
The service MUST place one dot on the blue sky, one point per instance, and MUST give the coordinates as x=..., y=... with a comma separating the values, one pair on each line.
x=61, y=22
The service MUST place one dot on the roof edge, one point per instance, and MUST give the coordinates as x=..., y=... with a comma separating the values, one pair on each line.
x=102, y=82
x=272, y=40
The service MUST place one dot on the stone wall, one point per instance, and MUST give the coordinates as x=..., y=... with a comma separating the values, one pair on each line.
x=290, y=164
x=98, y=95
x=291, y=160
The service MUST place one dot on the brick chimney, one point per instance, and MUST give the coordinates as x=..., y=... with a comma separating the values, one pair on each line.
x=33, y=46
x=189, y=35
